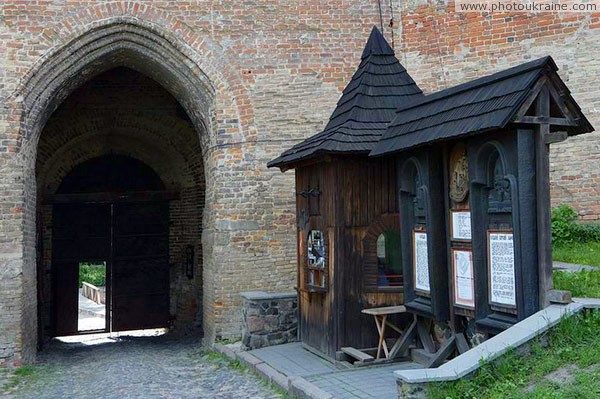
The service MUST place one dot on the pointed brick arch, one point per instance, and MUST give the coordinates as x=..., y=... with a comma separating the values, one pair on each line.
x=195, y=71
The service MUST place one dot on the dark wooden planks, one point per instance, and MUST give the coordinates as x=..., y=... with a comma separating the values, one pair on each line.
x=483, y=104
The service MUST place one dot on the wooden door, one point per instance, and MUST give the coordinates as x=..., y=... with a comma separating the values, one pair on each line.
x=81, y=232
x=140, y=266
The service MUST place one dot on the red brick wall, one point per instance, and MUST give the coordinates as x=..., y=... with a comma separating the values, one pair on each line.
x=441, y=48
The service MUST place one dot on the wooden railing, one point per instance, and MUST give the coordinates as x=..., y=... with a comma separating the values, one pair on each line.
x=93, y=293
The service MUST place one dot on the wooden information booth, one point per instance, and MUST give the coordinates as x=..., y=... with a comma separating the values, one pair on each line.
x=349, y=256
x=474, y=198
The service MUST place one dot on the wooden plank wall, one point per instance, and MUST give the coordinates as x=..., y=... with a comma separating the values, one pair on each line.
x=356, y=192
x=315, y=308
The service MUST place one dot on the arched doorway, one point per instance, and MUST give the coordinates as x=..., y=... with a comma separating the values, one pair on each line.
x=121, y=187
x=110, y=214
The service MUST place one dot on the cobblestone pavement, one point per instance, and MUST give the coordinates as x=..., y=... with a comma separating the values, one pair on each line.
x=131, y=368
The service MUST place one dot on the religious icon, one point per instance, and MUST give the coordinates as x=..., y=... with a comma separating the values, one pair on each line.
x=459, y=179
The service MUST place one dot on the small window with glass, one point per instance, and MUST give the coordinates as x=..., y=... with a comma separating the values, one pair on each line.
x=316, y=271
x=389, y=261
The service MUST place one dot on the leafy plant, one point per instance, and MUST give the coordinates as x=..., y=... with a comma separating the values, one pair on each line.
x=562, y=224
x=93, y=273
x=566, y=230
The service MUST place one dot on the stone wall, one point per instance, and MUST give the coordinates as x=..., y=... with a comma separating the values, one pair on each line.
x=269, y=319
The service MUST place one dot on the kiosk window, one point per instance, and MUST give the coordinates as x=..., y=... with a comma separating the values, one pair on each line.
x=389, y=266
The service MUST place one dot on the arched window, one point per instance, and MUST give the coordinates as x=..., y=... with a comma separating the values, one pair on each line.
x=389, y=262
x=382, y=256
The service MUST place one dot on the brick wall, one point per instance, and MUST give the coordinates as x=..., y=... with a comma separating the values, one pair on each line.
x=254, y=77
x=442, y=48
x=123, y=112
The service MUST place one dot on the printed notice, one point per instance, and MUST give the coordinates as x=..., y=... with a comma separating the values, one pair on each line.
x=421, y=263
x=502, y=268
x=464, y=294
x=461, y=225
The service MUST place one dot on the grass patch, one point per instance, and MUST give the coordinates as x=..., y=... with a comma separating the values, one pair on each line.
x=581, y=284
x=227, y=341
x=220, y=360
x=581, y=253
x=19, y=376
x=572, y=341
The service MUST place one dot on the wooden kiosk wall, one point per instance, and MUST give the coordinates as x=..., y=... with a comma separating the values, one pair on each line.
x=357, y=202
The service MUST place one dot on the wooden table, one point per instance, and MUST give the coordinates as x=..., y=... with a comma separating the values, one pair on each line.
x=381, y=315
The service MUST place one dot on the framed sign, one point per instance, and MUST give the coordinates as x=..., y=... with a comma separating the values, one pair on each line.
x=420, y=261
x=462, y=276
x=460, y=225
x=501, y=268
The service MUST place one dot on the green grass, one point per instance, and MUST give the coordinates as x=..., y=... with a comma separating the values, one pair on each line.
x=572, y=341
x=581, y=284
x=220, y=360
x=587, y=253
x=19, y=376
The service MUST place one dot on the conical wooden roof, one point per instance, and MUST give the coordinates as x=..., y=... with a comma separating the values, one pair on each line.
x=379, y=86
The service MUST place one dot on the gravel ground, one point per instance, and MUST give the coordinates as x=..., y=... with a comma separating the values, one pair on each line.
x=128, y=368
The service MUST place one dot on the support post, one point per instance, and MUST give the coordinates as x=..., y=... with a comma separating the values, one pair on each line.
x=542, y=166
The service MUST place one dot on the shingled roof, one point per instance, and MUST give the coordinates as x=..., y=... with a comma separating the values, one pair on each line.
x=482, y=104
x=368, y=104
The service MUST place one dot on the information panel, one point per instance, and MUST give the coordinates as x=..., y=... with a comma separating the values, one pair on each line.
x=464, y=288
x=461, y=225
x=501, y=261
x=420, y=261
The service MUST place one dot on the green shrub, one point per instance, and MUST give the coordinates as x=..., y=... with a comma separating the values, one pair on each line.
x=566, y=230
x=93, y=273
x=587, y=232
x=562, y=218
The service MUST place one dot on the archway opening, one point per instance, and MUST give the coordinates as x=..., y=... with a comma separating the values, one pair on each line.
x=120, y=182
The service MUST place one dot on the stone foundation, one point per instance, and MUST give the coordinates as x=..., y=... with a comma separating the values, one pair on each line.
x=269, y=319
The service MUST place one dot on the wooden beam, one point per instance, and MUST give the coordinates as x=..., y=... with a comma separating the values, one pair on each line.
x=555, y=137
x=401, y=345
x=305, y=162
x=461, y=343
x=357, y=354
x=443, y=353
x=560, y=102
x=109, y=197
x=531, y=98
x=425, y=337
x=538, y=120
x=542, y=168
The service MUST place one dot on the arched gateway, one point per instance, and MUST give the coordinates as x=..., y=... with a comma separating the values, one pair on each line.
x=117, y=120
x=124, y=93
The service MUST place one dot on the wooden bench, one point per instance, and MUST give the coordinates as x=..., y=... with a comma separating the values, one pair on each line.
x=357, y=354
